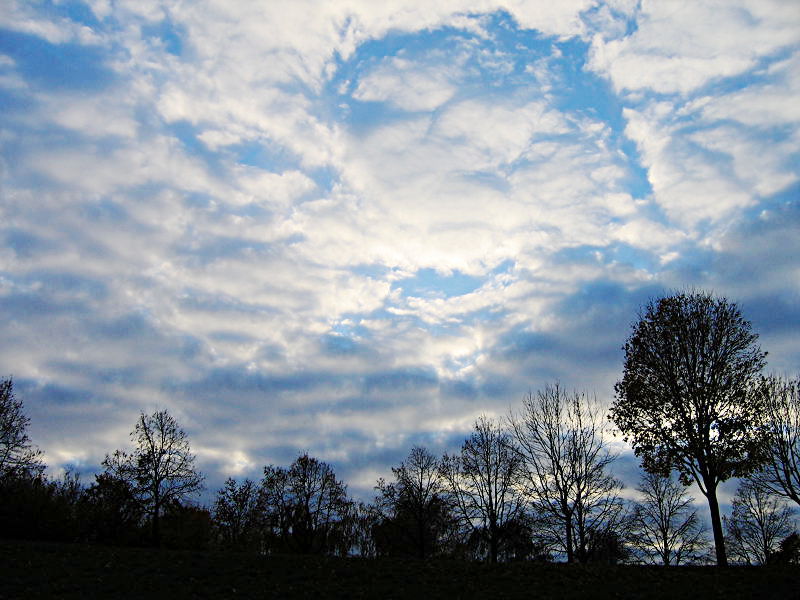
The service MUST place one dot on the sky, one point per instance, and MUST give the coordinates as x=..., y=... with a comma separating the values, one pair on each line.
x=350, y=227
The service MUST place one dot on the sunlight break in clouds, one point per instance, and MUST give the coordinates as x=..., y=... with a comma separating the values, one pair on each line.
x=351, y=227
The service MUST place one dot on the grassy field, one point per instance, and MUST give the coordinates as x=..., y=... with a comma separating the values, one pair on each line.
x=44, y=570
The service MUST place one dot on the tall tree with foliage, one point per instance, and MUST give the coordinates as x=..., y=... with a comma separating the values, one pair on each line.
x=17, y=454
x=161, y=467
x=689, y=397
x=483, y=481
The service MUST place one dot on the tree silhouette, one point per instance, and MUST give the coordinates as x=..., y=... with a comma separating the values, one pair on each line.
x=758, y=522
x=483, y=481
x=414, y=506
x=304, y=505
x=664, y=525
x=365, y=519
x=781, y=472
x=788, y=552
x=161, y=467
x=564, y=460
x=239, y=514
x=688, y=398
x=17, y=454
x=186, y=526
x=415, y=514
x=111, y=512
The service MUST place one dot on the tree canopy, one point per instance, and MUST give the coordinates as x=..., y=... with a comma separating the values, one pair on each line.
x=161, y=468
x=689, y=397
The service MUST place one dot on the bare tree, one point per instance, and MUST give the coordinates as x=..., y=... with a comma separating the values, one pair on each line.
x=664, y=526
x=781, y=473
x=415, y=503
x=689, y=397
x=161, y=467
x=17, y=454
x=759, y=521
x=304, y=504
x=483, y=482
x=564, y=459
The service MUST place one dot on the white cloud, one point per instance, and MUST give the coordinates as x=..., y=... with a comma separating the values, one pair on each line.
x=501, y=131
x=679, y=46
x=399, y=82
x=22, y=17
x=97, y=116
x=710, y=157
x=690, y=186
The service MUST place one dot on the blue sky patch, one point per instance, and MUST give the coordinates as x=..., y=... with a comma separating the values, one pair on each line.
x=168, y=34
x=68, y=66
x=429, y=283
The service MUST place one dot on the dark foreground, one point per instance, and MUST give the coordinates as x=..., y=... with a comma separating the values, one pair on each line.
x=44, y=570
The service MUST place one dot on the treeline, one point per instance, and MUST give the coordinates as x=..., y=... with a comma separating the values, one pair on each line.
x=536, y=484
x=536, y=487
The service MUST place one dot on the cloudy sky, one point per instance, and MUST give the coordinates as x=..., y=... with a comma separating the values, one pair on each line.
x=348, y=227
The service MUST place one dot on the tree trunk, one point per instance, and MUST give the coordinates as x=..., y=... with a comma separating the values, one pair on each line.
x=156, y=528
x=570, y=550
x=716, y=525
x=421, y=534
x=156, y=516
x=493, y=534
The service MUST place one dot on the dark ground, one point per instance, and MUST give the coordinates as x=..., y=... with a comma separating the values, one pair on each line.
x=48, y=570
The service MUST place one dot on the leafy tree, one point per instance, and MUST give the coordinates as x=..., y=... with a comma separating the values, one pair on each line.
x=37, y=508
x=238, y=514
x=606, y=545
x=305, y=505
x=664, y=525
x=186, y=526
x=17, y=454
x=483, y=483
x=414, y=506
x=111, y=512
x=365, y=520
x=520, y=541
x=161, y=467
x=688, y=398
x=759, y=521
x=788, y=551
x=781, y=472
x=564, y=462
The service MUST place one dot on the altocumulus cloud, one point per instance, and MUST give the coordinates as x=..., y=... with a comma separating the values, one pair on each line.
x=351, y=227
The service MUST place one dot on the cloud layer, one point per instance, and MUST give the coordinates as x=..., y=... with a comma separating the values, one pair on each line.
x=347, y=228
